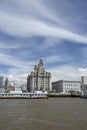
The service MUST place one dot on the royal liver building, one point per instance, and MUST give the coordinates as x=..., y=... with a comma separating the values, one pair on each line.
x=39, y=79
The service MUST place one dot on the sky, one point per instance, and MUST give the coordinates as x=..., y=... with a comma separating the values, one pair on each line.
x=54, y=30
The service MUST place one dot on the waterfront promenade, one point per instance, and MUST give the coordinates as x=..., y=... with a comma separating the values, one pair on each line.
x=53, y=95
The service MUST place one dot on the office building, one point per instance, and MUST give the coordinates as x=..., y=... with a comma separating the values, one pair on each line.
x=1, y=81
x=66, y=86
x=84, y=83
x=1, y=84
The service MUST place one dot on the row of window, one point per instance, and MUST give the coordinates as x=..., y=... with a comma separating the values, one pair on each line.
x=72, y=84
x=24, y=95
x=68, y=89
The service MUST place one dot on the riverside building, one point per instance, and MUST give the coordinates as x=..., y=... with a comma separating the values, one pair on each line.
x=39, y=79
x=84, y=83
x=1, y=83
x=66, y=86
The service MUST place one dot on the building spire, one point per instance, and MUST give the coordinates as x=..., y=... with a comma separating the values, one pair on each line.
x=41, y=62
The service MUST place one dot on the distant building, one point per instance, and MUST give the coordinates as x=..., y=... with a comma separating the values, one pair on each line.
x=24, y=87
x=8, y=87
x=1, y=84
x=84, y=80
x=84, y=83
x=39, y=79
x=1, y=81
x=66, y=86
x=6, y=84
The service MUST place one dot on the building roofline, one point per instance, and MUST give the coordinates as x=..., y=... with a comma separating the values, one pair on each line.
x=66, y=81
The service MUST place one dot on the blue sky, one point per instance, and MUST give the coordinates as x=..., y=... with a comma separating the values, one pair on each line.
x=55, y=30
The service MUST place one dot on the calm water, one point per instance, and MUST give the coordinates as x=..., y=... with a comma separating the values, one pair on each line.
x=43, y=114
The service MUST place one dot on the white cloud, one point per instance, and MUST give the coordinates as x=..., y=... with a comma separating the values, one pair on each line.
x=21, y=26
x=10, y=45
x=18, y=79
x=49, y=43
x=65, y=72
x=82, y=70
x=53, y=59
x=14, y=62
x=29, y=18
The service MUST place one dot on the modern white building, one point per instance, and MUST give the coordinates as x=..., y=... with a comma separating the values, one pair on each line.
x=39, y=79
x=66, y=86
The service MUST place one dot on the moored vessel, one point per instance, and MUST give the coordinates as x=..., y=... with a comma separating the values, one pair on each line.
x=84, y=93
x=26, y=95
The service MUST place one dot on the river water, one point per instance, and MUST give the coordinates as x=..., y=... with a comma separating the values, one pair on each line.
x=43, y=114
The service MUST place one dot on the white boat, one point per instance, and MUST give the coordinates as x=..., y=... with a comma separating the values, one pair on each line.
x=84, y=93
x=26, y=95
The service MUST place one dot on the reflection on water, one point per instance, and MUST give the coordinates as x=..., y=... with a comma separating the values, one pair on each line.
x=43, y=114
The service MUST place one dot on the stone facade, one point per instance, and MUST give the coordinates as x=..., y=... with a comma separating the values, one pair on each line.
x=39, y=79
x=66, y=86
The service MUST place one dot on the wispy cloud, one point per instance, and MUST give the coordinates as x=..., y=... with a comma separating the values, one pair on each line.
x=54, y=24
x=10, y=45
x=66, y=72
x=34, y=26
x=13, y=61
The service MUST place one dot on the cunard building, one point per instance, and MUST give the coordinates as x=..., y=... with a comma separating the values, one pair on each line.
x=39, y=79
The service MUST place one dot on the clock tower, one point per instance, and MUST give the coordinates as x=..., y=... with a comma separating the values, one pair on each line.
x=39, y=79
